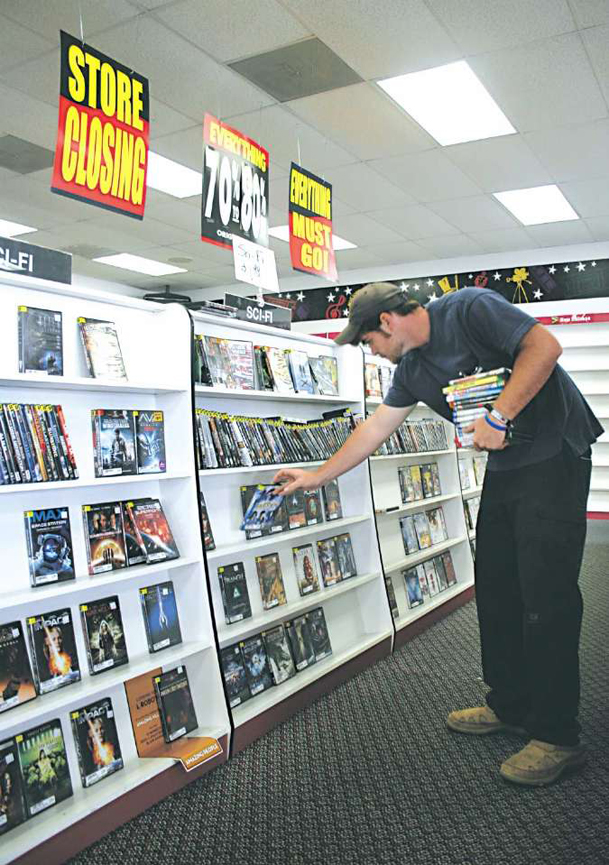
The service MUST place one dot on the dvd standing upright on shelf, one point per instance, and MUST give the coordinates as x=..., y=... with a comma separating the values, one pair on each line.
x=161, y=619
x=49, y=542
x=96, y=740
x=53, y=649
x=40, y=340
x=235, y=678
x=12, y=802
x=44, y=766
x=17, y=684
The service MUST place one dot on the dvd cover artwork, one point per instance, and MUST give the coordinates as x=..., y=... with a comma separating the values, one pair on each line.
x=301, y=643
x=263, y=511
x=421, y=524
x=12, y=804
x=135, y=548
x=16, y=680
x=208, y=535
x=102, y=349
x=432, y=577
x=96, y=739
x=40, y=340
x=161, y=620
x=437, y=525
x=114, y=436
x=393, y=604
x=409, y=535
x=441, y=573
x=152, y=524
x=175, y=704
x=332, y=502
x=278, y=362
x=49, y=543
x=301, y=372
x=325, y=373
x=328, y=561
x=105, y=537
x=319, y=633
x=414, y=595
x=423, y=581
x=278, y=652
x=53, y=647
x=104, y=634
x=44, y=767
x=346, y=559
x=235, y=679
x=150, y=442
x=235, y=596
x=306, y=569
x=241, y=364
x=272, y=589
x=451, y=575
x=313, y=510
x=295, y=507
x=256, y=665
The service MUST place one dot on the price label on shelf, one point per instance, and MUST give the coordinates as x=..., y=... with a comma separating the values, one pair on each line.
x=235, y=186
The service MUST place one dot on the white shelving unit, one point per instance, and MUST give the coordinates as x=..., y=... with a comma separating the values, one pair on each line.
x=356, y=610
x=155, y=342
x=390, y=509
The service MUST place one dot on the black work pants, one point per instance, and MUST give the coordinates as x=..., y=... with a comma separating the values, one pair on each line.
x=529, y=544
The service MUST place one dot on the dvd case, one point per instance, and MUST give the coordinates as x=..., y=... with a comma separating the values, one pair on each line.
x=332, y=503
x=313, y=510
x=53, y=650
x=306, y=569
x=151, y=522
x=393, y=604
x=174, y=700
x=49, y=544
x=328, y=561
x=43, y=763
x=451, y=574
x=301, y=642
x=40, y=339
x=256, y=665
x=235, y=596
x=12, y=804
x=301, y=372
x=16, y=679
x=280, y=369
x=409, y=535
x=414, y=596
x=295, y=507
x=278, y=653
x=235, y=679
x=208, y=535
x=135, y=550
x=161, y=619
x=96, y=740
x=150, y=442
x=272, y=589
x=346, y=559
x=104, y=537
x=320, y=636
x=264, y=512
x=102, y=349
x=104, y=635
x=325, y=374
x=421, y=524
x=113, y=442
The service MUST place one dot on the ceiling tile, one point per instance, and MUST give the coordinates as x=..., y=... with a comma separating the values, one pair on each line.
x=504, y=240
x=349, y=259
x=449, y=247
x=214, y=255
x=573, y=152
x=363, y=231
x=28, y=118
x=281, y=133
x=490, y=24
x=497, y=164
x=51, y=16
x=171, y=211
x=595, y=40
x=589, y=13
x=364, y=121
x=17, y=44
x=560, y=233
x=401, y=36
x=414, y=222
x=237, y=30
x=146, y=232
x=29, y=191
x=164, y=119
x=588, y=197
x=548, y=83
x=428, y=176
x=598, y=227
x=185, y=146
x=480, y=213
x=364, y=189
x=396, y=253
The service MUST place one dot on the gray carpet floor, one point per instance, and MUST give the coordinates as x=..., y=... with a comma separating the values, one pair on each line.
x=369, y=773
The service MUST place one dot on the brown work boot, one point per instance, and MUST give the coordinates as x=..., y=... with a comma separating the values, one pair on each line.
x=479, y=722
x=541, y=763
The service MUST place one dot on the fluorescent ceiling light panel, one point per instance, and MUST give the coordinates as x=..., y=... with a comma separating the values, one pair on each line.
x=282, y=232
x=450, y=103
x=537, y=205
x=12, y=229
x=137, y=264
x=171, y=177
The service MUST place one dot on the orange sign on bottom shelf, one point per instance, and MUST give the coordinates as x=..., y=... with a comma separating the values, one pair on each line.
x=191, y=751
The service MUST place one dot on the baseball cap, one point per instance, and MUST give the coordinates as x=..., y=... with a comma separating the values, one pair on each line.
x=366, y=304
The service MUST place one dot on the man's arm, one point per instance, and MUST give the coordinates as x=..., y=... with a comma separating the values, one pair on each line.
x=536, y=358
x=362, y=442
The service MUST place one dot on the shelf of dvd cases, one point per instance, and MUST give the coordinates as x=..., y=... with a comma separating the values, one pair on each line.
x=416, y=505
x=381, y=457
x=289, y=536
x=221, y=393
x=428, y=553
x=412, y=615
x=229, y=634
x=48, y=382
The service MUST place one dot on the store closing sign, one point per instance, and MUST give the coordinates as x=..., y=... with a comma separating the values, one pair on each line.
x=311, y=248
x=235, y=186
x=101, y=154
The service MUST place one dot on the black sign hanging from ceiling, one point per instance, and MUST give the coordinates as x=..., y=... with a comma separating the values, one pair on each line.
x=35, y=261
x=249, y=309
x=531, y=283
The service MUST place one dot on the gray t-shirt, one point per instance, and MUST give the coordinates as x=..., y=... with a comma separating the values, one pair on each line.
x=476, y=327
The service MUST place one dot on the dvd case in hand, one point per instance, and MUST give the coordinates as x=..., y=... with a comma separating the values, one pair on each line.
x=306, y=570
x=150, y=442
x=325, y=374
x=40, y=340
x=102, y=349
x=235, y=679
x=346, y=559
x=208, y=535
x=16, y=680
x=53, y=649
x=102, y=626
x=43, y=762
x=12, y=804
x=96, y=741
x=113, y=442
x=319, y=633
x=414, y=596
x=151, y=522
x=233, y=588
x=278, y=653
x=175, y=704
x=49, y=544
x=393, y=604
x=272, y=589
x=256, y=664
x=332, y=503
x=264, y=512
x=301, y=643
x=135, y=549
x=301, y=372
x=328, y=561
x=313, y=510
x=104, y=537
x=161, y=619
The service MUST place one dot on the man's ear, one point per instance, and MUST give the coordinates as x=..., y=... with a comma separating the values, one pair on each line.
x=385, y=321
